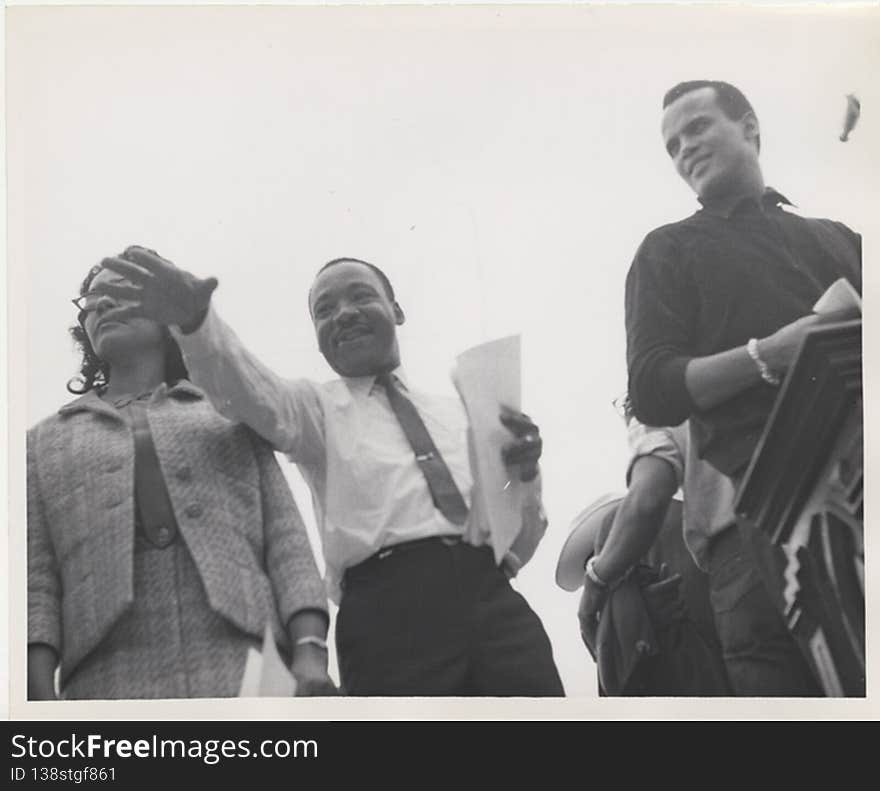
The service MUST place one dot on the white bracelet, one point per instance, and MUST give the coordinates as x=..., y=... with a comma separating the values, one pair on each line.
x=591, y=573
x=312, y=640
x=766, y=374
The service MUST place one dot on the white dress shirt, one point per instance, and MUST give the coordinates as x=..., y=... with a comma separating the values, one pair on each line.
x=368, y=491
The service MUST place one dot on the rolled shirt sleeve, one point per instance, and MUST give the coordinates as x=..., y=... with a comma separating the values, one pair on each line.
x=660, y=443
x=660, y=319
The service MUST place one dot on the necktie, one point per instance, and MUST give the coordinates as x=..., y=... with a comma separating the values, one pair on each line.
x=446, y=496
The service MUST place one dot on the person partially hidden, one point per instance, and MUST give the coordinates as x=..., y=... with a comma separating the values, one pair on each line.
x=644, y=613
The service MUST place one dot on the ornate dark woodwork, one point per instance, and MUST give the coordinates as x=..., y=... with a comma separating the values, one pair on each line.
x=801, y=503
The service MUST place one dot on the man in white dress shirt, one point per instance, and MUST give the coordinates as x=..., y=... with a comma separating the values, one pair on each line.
x=424, y=609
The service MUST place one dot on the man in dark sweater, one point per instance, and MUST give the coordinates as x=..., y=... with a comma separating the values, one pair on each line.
x=717, y=305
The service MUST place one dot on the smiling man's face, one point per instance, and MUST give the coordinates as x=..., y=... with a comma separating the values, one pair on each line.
x=355, y=320
x=714, y=154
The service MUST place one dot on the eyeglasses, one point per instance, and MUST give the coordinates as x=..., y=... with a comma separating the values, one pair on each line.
x=87, y=302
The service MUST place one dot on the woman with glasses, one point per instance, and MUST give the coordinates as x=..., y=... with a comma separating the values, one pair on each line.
x=162, y=538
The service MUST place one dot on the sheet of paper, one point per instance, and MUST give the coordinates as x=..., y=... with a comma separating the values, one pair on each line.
x=250, y=679
x=265, y=674
x=839, y=296
x=488, y=377
x=276, y=680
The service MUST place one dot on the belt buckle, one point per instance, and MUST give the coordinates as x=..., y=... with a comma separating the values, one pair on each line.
x=385, y=553
x=450, y=541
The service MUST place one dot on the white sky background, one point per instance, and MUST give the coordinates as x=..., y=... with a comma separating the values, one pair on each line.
x=501, y=164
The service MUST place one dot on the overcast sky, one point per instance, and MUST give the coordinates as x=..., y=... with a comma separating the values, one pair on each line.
x=501, y=164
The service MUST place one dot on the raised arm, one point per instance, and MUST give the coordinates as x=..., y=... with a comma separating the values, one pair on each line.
x=287, y=413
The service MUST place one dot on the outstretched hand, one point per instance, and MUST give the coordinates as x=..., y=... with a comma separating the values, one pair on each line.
x=159, y=290
x=525, y=450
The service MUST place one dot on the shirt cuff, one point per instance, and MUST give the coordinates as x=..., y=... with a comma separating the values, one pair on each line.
x=201, y=343
x=656, y=442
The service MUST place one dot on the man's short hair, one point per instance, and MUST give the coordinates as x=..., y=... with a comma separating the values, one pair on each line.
x=386, y=283
x=731, y=100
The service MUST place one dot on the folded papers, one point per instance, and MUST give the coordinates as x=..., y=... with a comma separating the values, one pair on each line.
x=487, y=378
x=839, y=296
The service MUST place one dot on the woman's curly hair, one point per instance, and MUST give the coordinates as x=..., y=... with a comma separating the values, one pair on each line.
x=94, y=373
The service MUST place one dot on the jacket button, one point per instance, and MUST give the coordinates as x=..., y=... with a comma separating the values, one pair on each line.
x=194, y=511
x=184, y=474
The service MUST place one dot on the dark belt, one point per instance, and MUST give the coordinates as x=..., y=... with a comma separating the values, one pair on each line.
x=375, y=561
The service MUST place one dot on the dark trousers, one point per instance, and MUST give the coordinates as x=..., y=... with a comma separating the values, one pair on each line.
x=760, y=654
x=438, y=617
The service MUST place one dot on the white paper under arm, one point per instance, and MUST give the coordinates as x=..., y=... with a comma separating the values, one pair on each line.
x=488, y=377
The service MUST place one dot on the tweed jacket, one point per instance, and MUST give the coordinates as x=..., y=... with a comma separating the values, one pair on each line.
x=233, y=508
